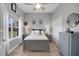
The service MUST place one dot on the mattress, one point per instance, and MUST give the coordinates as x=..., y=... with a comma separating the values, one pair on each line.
x=36, y=37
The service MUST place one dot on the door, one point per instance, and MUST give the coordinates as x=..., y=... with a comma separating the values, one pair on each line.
x=1, y=33
x=2, y=41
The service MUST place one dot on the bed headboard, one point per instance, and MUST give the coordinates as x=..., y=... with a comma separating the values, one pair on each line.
x=38, y=29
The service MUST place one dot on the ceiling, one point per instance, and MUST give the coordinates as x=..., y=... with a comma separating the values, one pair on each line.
x=49, y=7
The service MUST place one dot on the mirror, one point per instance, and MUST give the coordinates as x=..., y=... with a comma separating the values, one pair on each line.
x=34, y=22
x=73, y=20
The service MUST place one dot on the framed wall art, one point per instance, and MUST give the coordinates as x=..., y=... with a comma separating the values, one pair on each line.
x=13, y=7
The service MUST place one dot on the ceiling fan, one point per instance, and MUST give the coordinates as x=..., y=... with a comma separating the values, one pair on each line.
x=37, y=6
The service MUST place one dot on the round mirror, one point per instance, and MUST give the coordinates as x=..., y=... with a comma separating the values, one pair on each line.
x=73, y=20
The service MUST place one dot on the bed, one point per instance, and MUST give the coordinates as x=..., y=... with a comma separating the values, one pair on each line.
x=36, y=42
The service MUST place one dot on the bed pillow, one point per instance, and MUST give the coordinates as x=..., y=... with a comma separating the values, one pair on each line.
x=33, y=32
x=37, y=32
x=41, y=32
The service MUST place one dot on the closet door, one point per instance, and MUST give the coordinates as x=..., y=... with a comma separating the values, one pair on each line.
x=1, y=32
x=2, y=41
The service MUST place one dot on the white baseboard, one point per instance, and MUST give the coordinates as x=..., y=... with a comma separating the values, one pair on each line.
x=13, y=49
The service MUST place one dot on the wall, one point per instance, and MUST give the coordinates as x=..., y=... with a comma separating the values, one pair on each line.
x=44, y=17
x=56, y=28
x=62, y=13
x=14, y=42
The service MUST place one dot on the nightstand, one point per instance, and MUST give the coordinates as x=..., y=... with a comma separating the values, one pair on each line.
x=49, y=37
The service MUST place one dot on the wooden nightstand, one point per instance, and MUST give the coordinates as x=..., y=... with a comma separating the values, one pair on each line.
x=49, y=37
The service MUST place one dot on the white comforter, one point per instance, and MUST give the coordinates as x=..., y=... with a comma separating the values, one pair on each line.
x=36, y=37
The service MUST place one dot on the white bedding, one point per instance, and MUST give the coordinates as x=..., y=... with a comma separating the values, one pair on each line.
x=36, y=37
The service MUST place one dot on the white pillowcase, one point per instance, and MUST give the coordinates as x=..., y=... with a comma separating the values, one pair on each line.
x=41, y=32
x=37, y=32
x=33, y=32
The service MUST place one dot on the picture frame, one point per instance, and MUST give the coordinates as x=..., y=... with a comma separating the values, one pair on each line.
x=25, y=23
x=34, y=22
x=13, y=7
x=40, y=22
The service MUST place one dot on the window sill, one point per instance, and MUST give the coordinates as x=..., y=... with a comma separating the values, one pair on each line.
x=11, y=39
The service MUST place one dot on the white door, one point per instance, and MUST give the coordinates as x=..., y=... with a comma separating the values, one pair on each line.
x=0, y=32
x=2, y=41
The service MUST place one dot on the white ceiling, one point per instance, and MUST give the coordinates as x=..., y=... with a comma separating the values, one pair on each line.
x=49, y=8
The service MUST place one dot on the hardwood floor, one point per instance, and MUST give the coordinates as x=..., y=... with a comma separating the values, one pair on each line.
x=54, y=51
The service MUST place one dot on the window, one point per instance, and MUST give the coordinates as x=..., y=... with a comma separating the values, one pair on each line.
x=13, y=27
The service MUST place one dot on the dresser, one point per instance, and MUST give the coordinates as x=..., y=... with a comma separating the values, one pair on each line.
x=69, y=44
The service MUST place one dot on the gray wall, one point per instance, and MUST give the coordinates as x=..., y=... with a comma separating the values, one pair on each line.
x=62, y=13
x=46, y=18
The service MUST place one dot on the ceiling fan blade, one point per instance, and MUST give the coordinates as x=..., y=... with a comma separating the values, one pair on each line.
x=28, y=4
x=34, y=9
x=42, y=8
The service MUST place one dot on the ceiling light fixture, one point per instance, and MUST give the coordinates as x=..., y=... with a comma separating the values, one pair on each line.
x=38, y=6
